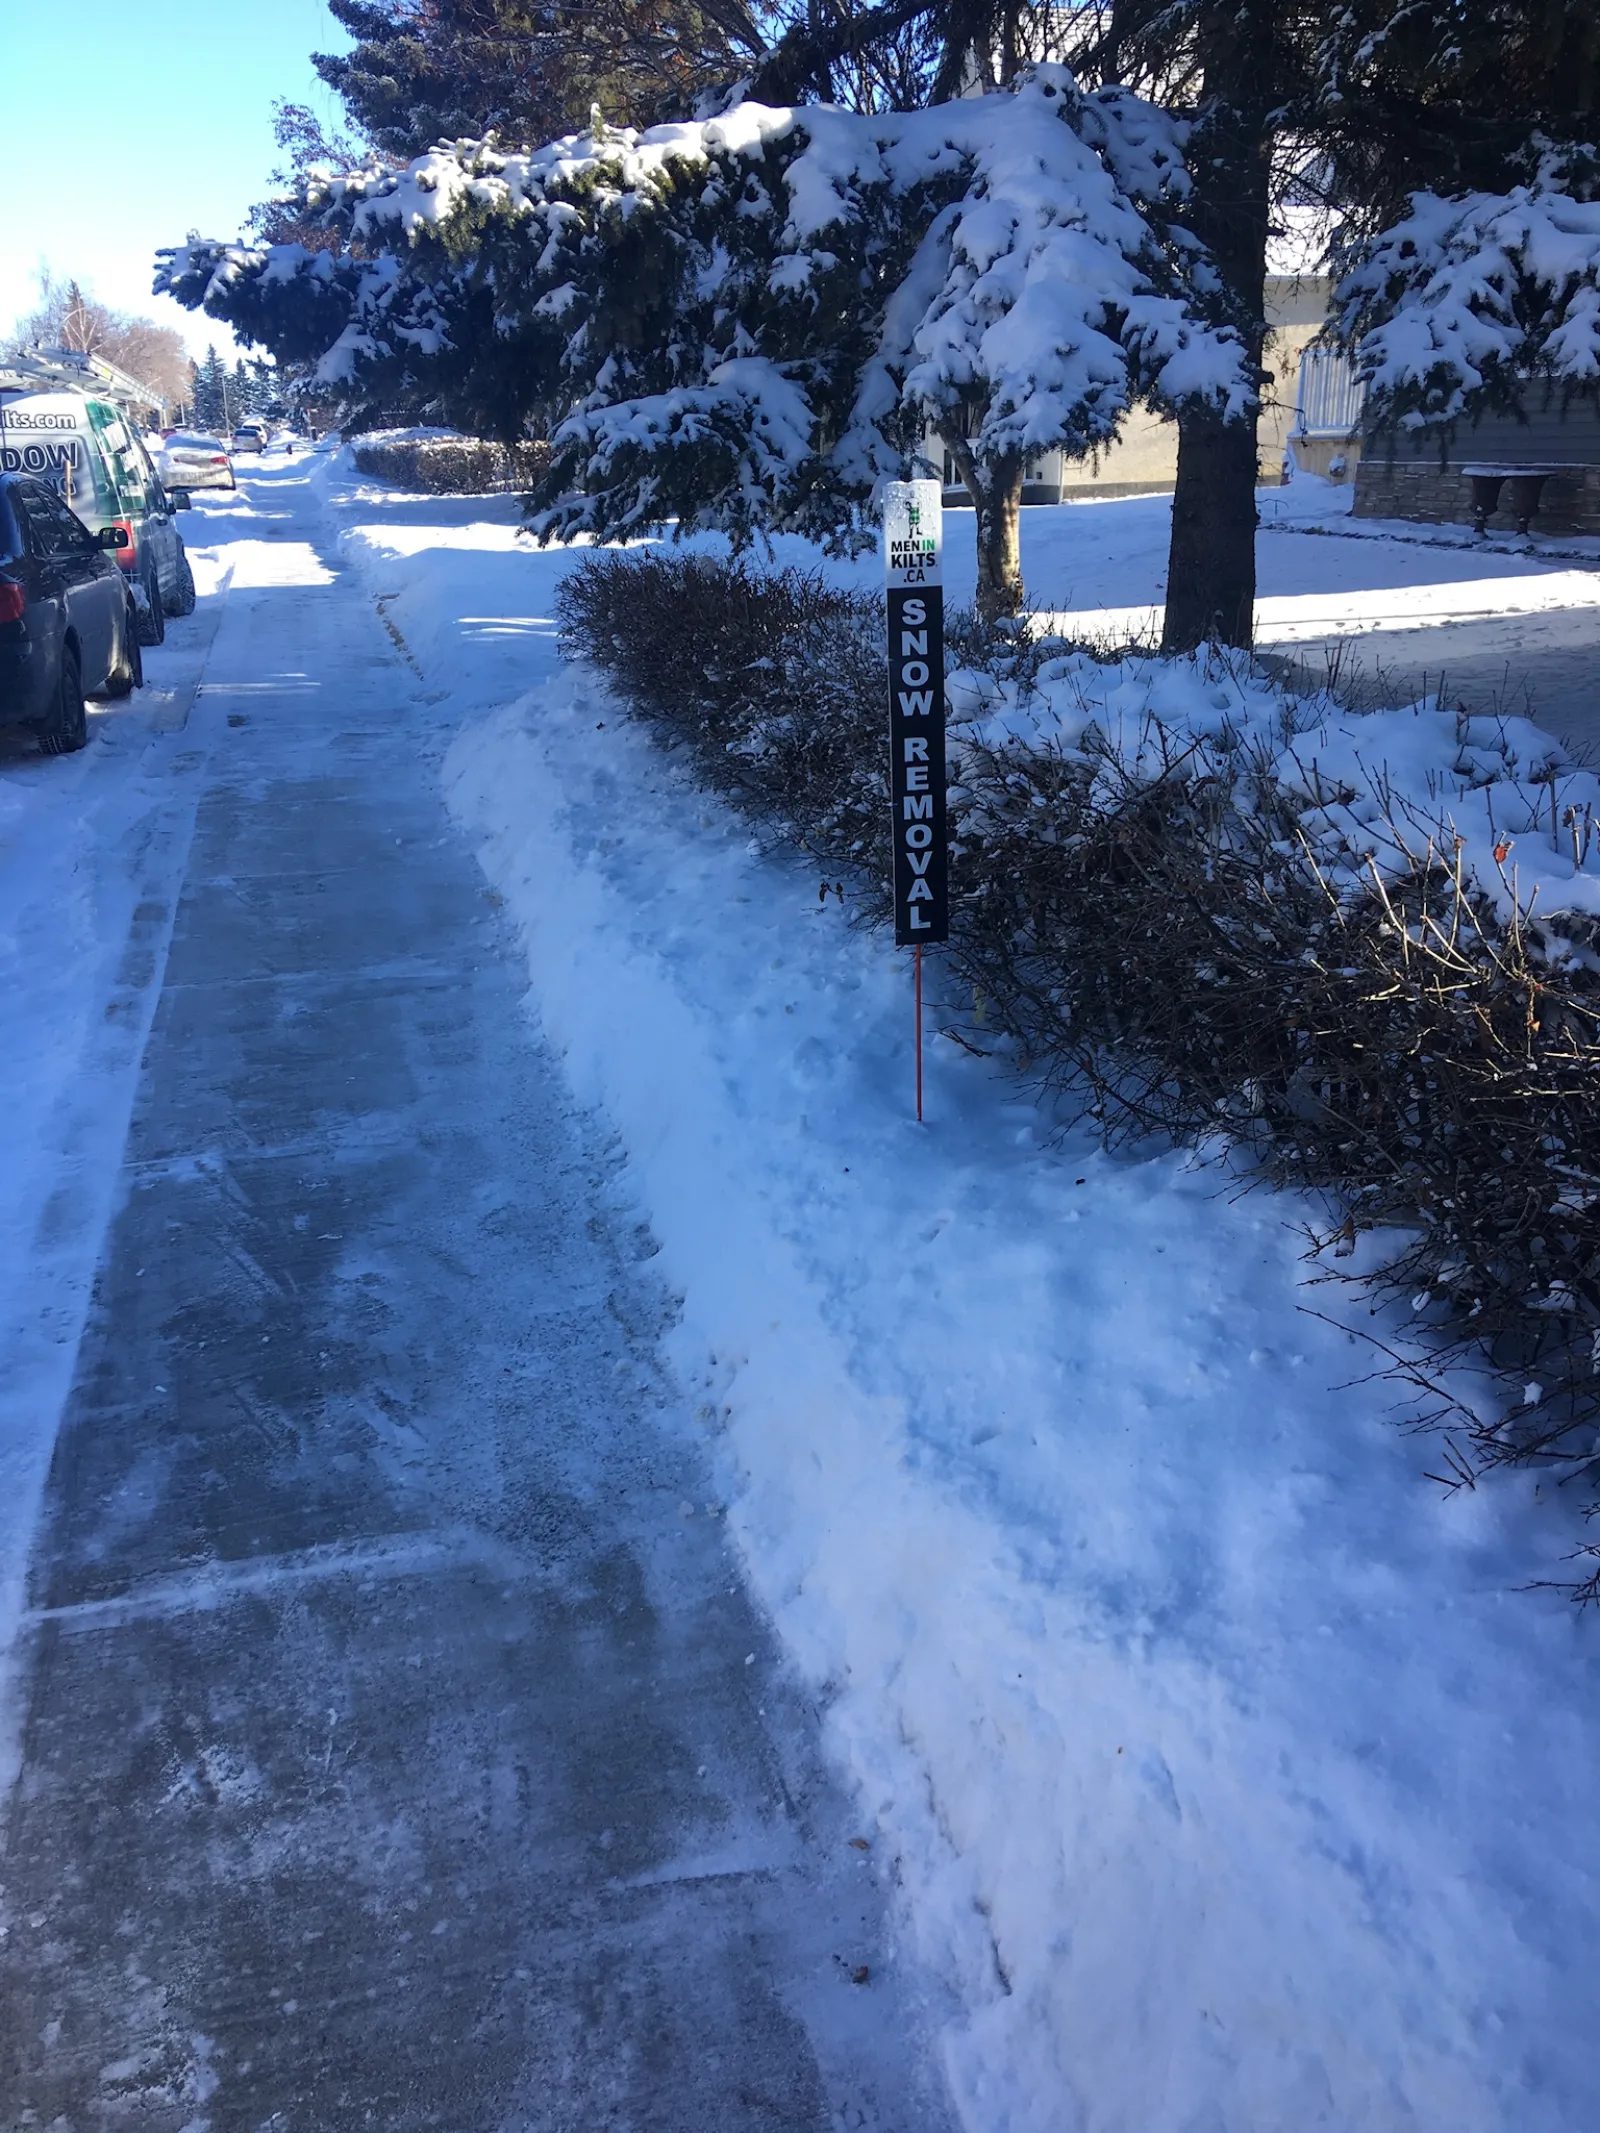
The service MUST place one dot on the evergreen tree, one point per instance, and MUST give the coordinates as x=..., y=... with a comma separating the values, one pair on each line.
x=1453, y=98
x=1244, y=74
x=1477, y=269
x=431, y=305
x=749, y=322
x=424, y=71
x=211, y=393
x=306, y=145
x=252, y=385
x=1356, y=106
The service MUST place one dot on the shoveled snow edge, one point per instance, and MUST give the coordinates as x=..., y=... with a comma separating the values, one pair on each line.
x=900, y=1605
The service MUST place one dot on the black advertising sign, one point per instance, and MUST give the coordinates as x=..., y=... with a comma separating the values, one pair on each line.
x=912, y=526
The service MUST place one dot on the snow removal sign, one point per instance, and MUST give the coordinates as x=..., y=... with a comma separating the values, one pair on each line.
x=913, y=531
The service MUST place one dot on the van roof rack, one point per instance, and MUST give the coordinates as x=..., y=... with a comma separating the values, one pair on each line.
x=57, y=367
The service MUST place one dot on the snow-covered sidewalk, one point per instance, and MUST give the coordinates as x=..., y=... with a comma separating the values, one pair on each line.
x=400, y=1744
x=1233, y=1782
x=91, y=849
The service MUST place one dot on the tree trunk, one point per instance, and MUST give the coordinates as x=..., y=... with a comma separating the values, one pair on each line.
x=1211, y=561
x=1211, y=565
x=999, y=515
x=996, y=493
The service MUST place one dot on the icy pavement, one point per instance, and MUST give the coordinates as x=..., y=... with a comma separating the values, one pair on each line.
x=399, y=1745
x=92, y=848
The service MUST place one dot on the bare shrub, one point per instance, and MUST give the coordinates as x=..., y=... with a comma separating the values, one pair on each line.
x=1165, y=945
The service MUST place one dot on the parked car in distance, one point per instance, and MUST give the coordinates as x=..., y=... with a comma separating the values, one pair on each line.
x=250, y=437
x=191, y=460
x=85, y=447
x=68, y=628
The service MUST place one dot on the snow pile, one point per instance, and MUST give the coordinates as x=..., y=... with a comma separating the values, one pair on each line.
x=1468, y=297
x=412, y=433
x=1200, y=1755
x=1378, y=791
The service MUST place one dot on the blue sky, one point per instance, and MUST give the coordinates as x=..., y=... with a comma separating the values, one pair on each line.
x=123, y=127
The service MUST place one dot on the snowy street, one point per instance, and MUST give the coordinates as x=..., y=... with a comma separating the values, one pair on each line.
x=584, y=1571
x=398, y=1744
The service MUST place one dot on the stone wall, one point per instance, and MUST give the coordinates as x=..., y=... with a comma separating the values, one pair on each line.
x=1420, y=477
x=1421, y=489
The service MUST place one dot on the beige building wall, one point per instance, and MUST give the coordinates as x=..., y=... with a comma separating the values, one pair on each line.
x=1144, y=460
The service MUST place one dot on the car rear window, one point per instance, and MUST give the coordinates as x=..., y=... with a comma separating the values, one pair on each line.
x=10, y=528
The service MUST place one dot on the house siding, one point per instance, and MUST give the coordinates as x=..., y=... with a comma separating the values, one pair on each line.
x=1144, y=459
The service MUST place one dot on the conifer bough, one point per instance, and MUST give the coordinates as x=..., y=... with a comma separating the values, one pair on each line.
x=751, y=322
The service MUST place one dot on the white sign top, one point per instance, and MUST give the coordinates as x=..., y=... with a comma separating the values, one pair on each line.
x=913, y=532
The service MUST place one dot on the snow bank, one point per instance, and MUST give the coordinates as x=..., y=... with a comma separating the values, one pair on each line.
x=1199, y=1735
x=1380, y=787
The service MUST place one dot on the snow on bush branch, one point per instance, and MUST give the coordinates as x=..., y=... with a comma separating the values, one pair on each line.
x=746, y=321
x=1456, y=307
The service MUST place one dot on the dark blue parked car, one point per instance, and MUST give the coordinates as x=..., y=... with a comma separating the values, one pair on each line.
x=68, y=628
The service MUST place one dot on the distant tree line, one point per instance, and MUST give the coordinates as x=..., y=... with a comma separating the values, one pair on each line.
x=66, y=316
x=220, y=398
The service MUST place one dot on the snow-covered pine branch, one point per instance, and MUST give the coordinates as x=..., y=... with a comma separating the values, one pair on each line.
x=1458, y=306
x=748, y=322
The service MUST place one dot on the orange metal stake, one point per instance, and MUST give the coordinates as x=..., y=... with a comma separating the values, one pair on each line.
x=916, y=958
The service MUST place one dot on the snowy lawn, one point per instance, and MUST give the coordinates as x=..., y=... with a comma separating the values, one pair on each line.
x=1506, y=624
x=1232, y=1781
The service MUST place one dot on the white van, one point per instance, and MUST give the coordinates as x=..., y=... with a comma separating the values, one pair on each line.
x=88, y=451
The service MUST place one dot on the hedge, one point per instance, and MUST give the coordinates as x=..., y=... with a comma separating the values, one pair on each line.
x=1162, y=945
x=451, y=466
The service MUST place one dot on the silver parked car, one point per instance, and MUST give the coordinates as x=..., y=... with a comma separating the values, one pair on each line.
x=191, y=460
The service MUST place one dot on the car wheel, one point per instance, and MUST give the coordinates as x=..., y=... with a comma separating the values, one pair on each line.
x=128, y=674
x=154, y=618
x=183, y=603
x=66, y=730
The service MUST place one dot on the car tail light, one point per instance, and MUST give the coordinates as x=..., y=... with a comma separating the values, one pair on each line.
x=13, y=599
x=126, y=556
x=221, y=460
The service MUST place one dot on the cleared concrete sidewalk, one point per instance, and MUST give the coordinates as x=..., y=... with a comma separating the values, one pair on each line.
x=401, y=1750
